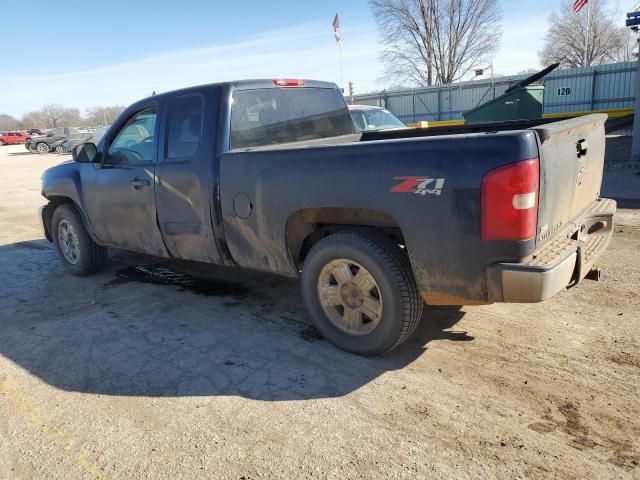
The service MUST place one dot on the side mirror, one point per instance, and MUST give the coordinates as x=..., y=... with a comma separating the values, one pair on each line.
x=85, y=153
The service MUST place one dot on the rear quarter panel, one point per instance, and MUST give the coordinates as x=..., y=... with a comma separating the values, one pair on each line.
x=442, y=232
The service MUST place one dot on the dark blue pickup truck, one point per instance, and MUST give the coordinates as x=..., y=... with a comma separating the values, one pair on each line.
x=273, y=175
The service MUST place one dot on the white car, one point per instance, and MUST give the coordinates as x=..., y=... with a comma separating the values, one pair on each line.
x=368, y=118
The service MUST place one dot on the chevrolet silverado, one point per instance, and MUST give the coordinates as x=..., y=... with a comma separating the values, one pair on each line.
x=273, y=175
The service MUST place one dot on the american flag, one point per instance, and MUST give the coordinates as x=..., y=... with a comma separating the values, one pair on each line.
x=336, y=28
x=578, y=4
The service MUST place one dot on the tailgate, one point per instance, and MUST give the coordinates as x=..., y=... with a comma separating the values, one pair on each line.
x=571, y=164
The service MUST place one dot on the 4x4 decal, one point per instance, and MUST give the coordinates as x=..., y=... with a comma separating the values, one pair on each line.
x=419, y=185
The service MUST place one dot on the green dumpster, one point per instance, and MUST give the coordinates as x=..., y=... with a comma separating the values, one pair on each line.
x=524, y=103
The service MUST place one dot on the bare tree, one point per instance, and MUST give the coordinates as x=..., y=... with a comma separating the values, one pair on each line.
x=55, y=115
x=565, y=40
x=630, y=44
x=528, y=71
x=102, y=115
x=7, y=122
x=435, y=41
x=52, y=114
x=33, y=120
x=70, y=118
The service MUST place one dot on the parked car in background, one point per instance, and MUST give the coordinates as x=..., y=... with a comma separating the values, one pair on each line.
x=67, y=144
x=44, y=143
x=13, y=138
x=34, y=131
x=368, y=118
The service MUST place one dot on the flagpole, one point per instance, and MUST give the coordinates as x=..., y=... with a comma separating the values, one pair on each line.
x=340, y=49
x=336, y=34
x=586, y=37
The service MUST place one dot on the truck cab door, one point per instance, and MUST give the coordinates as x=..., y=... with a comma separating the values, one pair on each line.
x=185, y=175
x=120, y=191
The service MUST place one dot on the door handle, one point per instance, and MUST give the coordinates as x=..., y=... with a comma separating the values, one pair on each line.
x=138, y=183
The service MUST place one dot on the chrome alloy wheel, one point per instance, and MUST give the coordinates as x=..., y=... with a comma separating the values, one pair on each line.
x=350, y=297
x=42, y=148
x=68, y=241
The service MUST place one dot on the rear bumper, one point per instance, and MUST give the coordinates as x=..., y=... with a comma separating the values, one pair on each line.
x=560, y=264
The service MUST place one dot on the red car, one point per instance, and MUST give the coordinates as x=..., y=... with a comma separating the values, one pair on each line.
x=13, y=138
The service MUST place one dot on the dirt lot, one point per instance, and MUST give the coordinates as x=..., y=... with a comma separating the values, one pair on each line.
x=111, y=377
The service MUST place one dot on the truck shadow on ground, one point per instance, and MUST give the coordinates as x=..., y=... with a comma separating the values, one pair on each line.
x=168, y=329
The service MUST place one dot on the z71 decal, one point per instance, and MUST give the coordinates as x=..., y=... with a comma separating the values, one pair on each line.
x=419, y=185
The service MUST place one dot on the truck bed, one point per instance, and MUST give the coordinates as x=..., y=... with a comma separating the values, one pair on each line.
x=442, y=232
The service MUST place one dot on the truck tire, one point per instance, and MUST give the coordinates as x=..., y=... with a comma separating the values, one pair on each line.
x=61, y=149
x=79, y=254
x=359, y=288
x=1, y=142
x=42, y=147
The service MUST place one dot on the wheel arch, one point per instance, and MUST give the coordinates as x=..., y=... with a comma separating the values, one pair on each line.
x=54, y=202
x=307, y=226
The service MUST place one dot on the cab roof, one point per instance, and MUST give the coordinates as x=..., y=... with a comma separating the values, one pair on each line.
x=249, y=84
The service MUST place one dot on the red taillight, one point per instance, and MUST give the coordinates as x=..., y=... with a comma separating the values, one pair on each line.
x=288, y=82
x=510, y=201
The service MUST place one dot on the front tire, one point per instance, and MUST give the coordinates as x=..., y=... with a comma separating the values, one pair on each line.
x=360, y=291
x=79, y=254
x=61, y=149
x=42, y=148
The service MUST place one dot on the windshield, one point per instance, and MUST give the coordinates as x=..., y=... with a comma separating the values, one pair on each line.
x=375, y=119
x=271, y=116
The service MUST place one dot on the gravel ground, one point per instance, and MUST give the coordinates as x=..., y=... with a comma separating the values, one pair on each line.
x=148, y=374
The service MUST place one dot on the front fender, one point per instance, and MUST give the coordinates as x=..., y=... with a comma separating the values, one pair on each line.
x=63, y=184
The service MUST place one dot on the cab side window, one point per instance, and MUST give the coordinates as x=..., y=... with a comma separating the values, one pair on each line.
x=185, y=127
x=135, y=142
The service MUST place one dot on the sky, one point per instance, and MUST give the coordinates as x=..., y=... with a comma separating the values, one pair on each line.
x=82, y=54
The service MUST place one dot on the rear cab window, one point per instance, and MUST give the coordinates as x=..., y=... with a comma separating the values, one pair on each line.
x=272, y=116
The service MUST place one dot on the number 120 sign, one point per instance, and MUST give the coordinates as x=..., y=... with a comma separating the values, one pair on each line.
x=564, y=91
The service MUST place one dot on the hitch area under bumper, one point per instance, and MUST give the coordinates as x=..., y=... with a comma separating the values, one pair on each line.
x=561, y=263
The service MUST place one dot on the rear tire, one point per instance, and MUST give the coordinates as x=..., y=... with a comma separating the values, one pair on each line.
x=1, y=142
x=79, y=254
x=372, y=274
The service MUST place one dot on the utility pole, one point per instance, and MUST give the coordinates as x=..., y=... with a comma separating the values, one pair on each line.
x=351, y=93
x=586, y=37
x=633, y=21
x=493, y=82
